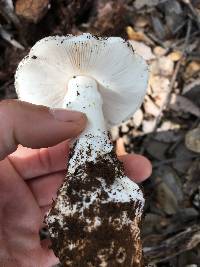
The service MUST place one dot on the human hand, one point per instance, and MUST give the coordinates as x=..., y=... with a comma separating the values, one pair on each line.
x=31, y=174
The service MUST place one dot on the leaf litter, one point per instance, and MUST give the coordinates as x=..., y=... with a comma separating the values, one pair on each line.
x=165, y=129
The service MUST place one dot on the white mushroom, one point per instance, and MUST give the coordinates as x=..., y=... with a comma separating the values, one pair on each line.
x=94, y=220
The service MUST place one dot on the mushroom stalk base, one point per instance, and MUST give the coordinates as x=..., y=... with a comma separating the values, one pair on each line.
x=94, y=222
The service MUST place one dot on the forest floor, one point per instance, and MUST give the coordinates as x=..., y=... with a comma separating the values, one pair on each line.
x=165, y=129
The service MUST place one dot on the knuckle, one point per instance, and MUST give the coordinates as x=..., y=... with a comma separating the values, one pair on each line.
x=45, y=159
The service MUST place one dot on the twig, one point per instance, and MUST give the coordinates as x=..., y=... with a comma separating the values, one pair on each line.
x=173, y=80
x=156, y=40
x=8, y=37
x=165, y=104
x=179, y=42
x=7, y=10
x=193, y=11
x=194, y=56
x=183, y=241
x=187, y=37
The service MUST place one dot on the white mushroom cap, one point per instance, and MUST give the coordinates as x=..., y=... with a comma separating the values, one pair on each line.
x=42, y=77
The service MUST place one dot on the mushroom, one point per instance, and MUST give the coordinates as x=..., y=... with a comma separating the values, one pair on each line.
x=94, y=221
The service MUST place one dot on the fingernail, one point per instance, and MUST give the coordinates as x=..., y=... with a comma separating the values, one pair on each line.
x=66, y=115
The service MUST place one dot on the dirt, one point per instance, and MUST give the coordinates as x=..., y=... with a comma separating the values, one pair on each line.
x=112, y=242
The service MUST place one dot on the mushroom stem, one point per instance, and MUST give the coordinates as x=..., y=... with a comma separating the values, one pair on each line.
x=83, y=95
x=95, y=219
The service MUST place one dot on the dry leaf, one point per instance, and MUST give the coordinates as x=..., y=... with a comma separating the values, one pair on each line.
x=163, y=66
x=137, y=36
x=182, y=104
x=150, y=107
x=157, y=149
x=141, y=3
x=159, y=89
x=191, y=91
x=192, y=140
x=175, y=56
x=192, y=68
x=193, y=181
x=159, y=51
x=142, y=49
x=137, y=118
x=141, y=22
x=148, y=126
x=184, y=157
x=167, y=136
x=31, y=10
x=168, y=125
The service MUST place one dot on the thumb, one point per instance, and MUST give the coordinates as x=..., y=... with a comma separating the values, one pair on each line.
x=35, y=126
